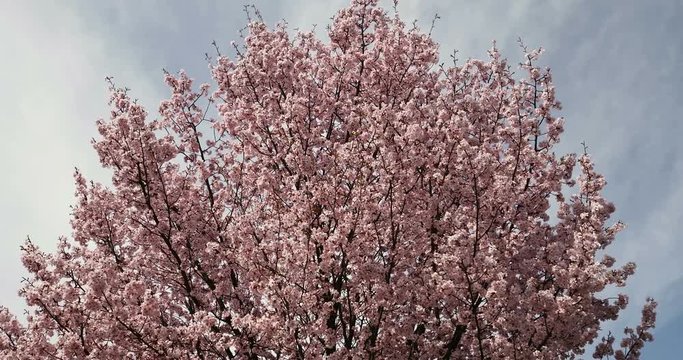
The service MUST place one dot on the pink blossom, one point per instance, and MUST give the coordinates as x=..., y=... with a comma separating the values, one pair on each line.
x=356, y=201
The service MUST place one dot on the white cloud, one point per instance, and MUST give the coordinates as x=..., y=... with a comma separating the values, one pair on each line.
x=53, y=90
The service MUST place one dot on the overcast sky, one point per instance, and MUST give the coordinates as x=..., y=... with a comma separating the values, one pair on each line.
x=617, y=68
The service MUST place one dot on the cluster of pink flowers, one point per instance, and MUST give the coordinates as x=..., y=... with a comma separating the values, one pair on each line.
x=352, y=199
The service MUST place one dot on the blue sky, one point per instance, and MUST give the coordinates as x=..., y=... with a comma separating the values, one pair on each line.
x=617, y=67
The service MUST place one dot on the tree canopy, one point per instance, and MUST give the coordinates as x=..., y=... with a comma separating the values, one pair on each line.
x=352, y=198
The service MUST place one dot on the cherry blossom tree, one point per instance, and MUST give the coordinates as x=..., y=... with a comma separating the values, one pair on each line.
x=351, y=198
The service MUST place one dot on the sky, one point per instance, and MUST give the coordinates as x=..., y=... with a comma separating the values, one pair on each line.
x=617, y=68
